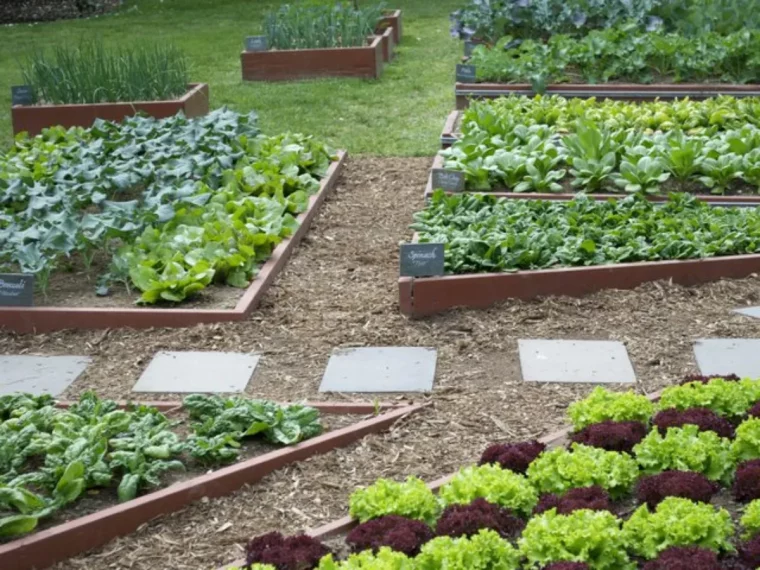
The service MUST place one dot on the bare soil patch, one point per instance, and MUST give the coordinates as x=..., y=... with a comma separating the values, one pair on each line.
x=339, y=290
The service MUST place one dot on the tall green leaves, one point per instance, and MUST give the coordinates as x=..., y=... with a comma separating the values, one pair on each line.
x=92, y=73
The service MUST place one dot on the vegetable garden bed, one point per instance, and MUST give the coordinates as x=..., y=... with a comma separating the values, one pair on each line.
x=34, y=118
x=65, y=539
x=573, y=248
x=656, y=482
x=273, y=205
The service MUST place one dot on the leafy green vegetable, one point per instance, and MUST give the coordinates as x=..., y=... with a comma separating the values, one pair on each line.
x=485, y=550
x=385, y=559
x=728, y=399
x=746, y=444
x=751, y=519
x=410, y=499
x=593, y=537
x=492, y=483
x=678, y=522
x=559, y=470
x=686, y=449
x=602, y=404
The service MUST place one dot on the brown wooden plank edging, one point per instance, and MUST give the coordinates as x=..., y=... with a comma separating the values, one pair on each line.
x=449, y=135
x=712, y=199
x=276, y=65
x=620, y=91
x=343, y=525
x=34, y=118
x=392, y=19
x=388, y=45
x=47, y=547
x=335, y=408
x=420, y=297
x=46, y=319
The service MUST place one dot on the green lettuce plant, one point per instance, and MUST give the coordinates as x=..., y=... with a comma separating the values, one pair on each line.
x=678, y=522
x=728, y=399
x=483, y=551
x=603, y=405
x=559, y=470
x=492, y=483
x=411, y=498
x=751, y=519
x=385, y=559
x=593, y=537
x=686, y=449
x=746, y=444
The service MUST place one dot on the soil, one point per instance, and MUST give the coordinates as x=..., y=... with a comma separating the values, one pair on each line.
x=339, y=290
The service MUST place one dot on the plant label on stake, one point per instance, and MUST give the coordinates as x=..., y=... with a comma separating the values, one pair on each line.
x=466, y=73
x=256, y=43
x=21, y=95
x=449, y=180
x=468, y=47
x=421, y=259
x=16, y=290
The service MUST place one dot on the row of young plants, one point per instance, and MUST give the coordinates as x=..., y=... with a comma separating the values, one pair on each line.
x=50, y=457
x=170, y=206
x=493, y=19
x=531, y=147
x=633, y=489
x=482, y=233
x=623, y=53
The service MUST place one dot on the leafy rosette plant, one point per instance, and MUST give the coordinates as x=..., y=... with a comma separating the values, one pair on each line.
x=725, y=398
x=749, y=552
x=590, y=498
x=746, y=444
x=612, y=436
x=400, y=534
x=484, y=550
x=686, y=449
x=754, y=411
x=285, y=553
x=751, y=519
x=593, y=537
x=678, y=522
x=604, y=405
x=747, y=481
x=412, y=499
x=513, y=456
x=653, y=489
x=685, y=558
x=560, y=469
x=492, y=483
x=468, y=520
x=704, y=418
x=689, y=378
x=385, y=559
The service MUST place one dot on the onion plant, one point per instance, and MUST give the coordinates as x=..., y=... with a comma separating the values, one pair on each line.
x=321, y=26
x=92, y=73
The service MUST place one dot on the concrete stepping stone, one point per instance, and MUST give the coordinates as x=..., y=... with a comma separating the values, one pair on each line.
x=39, y=374
x=197, y=372
x=739, y=356
x=749, y=312
x=380, y=369
x=590, y=361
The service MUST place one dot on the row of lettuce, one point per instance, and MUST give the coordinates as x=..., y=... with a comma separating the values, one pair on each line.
x=632, y=489
x=50, y=456
x=640, y=41
x=166, y=206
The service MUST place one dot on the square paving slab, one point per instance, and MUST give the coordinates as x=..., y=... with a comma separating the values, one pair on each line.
x=380, y=369
x=739, y=356
x=39, y=374
x=590, y=361
x=749, y=311
x=197, y=372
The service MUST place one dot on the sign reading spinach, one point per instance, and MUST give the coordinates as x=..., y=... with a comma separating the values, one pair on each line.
x=421, y=259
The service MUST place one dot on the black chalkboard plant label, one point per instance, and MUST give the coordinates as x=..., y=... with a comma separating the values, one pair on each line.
x=16, y=290
x=256, y=43
x=421, y=259
x=22, y=95
x=448, y=180
x=466, y=73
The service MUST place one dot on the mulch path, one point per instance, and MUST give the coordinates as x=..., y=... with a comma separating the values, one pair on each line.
x=339, y=290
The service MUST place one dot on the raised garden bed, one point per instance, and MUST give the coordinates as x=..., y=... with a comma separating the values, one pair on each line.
x=623, y=486
x=591, y=252
x=56, y=543
x=33, y=118
x=392, y=19
x=365, y=62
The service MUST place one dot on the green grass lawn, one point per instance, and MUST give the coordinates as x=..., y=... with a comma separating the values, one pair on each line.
x=399, y=115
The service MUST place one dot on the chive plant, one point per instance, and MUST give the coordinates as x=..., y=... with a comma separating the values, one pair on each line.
x=306, y=27
x=92, y=73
